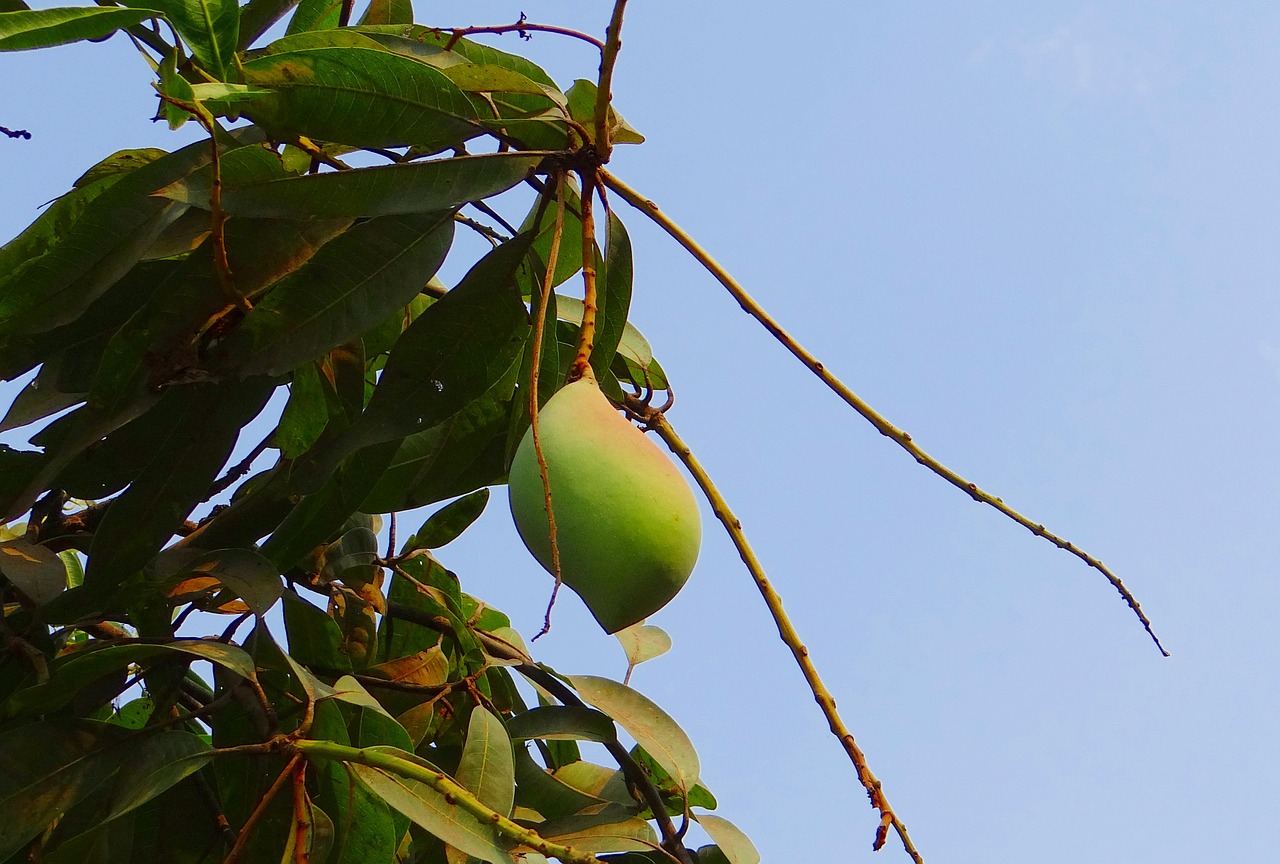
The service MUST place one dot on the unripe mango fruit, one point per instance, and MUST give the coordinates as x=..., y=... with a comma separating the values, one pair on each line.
x=627, y=524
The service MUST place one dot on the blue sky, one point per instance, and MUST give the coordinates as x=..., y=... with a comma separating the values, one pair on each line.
x=1042, y=239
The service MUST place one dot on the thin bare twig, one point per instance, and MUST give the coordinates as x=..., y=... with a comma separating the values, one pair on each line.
x=241, y=468
x=882, y=425
x=548, y=280
x=787, y=631
x=523, y=27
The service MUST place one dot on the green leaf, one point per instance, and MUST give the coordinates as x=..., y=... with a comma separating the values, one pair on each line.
x=429, y=809
x=612, y=327
x=41, y=28
x=612, y=829
x=388, y=12
x=539, y=790
x=359, y=97
x=454, y=352
x=46, y=767
x=257, y=16
x=651, y=727
x=314, y=638
x=245, y=573
x=156, y=762
x=562, y=723
x=487, y=766
x=119, y=162
x=176, y=88
x=347, y=287
x=643, y=642
x=447, y=524
x=315, y=15
x=177, y=477
x=41, y=398
x=69, y=675
x=50, y=282
x=631, y=345
x=305, y=415
x=735, y=845
x=582, y=107
x=419, y=187
x=210, y=28
x=36, y=571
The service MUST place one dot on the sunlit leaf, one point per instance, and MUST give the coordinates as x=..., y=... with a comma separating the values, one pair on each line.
x=735, y=845
x=36, y=571
x=486, y=767
x=210, y=28
x=651, y=727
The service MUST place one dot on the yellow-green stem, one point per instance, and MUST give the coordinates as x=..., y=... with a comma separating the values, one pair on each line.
x=451, y=789
x=788, y=633
x=882, y=425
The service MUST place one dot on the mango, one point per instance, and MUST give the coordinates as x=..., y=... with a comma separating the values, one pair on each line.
x=627, y=525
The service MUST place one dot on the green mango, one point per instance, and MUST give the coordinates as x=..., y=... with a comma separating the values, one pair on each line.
x=627, y=525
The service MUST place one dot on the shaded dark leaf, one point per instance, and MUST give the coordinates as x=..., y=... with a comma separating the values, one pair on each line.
x=447, y=524
x=210, y=28
x=40, y=28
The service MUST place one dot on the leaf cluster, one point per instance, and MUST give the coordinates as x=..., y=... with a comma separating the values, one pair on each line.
x=279, y=280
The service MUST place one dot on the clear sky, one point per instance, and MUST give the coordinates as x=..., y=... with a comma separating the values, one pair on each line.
x=1043, y=238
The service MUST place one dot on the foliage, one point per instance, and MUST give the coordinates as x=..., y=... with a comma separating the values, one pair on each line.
x=162, y=303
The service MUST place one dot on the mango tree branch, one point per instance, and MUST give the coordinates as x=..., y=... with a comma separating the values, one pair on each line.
x=604, y=85
x=590, y=302
x=882, y=425
x=454, y=793
x=786, y=630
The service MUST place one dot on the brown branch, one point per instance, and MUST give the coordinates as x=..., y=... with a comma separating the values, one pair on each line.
x=241, y=468
x=523, y=27
x=548, y=280
x=604, y=87
x=15, y=133
x=882, y=425
x=787, y=631
x=587, y=329
x=256, y=815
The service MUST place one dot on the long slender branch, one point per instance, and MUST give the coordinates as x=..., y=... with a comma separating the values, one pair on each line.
x=604, y=85
x=535, y=366
x=788, y=633
x=882, y=425
x=453, y=791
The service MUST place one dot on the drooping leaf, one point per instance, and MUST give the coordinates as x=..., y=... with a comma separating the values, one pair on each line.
x=177, y=477
x=359, y=97
x=487, y=766
x=305, y=414
x=40, y=28
x=429, y=809
x=539, y=790
x=243, y=572
x=612, y=326
x=651, y=727
x=612, y=829
x=582, y=107
x=315, y=15
x=45, y=768
x=562, y=722
x=388, y=12
x=347, y=287
x=314, y=638
x=36, y=571
x=455, y=351
x=447, y=524
x=419, y=187
x=735, y=845
x=210, y=28
x=49, y=284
